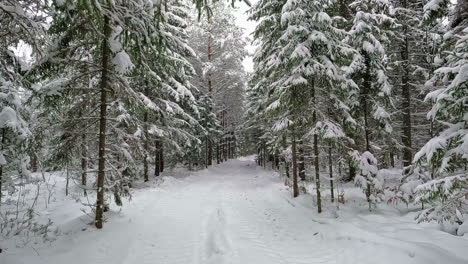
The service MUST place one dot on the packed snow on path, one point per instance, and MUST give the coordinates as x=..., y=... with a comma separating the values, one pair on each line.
x=237, y=213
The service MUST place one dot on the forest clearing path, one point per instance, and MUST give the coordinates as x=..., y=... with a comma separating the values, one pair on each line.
x=239, y=213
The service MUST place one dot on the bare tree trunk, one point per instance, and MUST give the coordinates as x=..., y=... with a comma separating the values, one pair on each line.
x=1, y=167
x=84, y=163
x=102, y=124
x=301, y=163
x=352, y=170
x=294, y=165
x=392, y=159
x=67, y=181
x=317, y=174
x=33, y=162
x=218, y=158
x=316, y=156
x=330, y=172
x=161, y=157
x=406, y=102
x=365, y=94
x=209, y=146
x=157, y=163
x=145, y=144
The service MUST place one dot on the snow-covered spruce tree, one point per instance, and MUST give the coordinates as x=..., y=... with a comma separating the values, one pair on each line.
x=220, y=48
x=266, y=35
x=446, y=152
x=17, y=28
x=169, y=117
x=100, y=25
x=298, y=69
x=22, y=37
x=368, y=35
x=409, y=67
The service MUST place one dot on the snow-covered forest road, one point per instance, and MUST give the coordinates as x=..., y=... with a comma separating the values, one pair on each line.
x=239, y=213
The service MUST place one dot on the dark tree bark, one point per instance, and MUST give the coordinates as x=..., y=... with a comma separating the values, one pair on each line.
x=218, y=157
x=209, y=143
x=301, y=163
x=84, y=163
x=161, y=157
x=317, y=174
x=330, y=172
x=146, y=142
x=294, y=165
x=1, y=167
x=406, y=100
x=102, y=124
x=316, y=156
x=392, y=159
x=351, y=170
x=157, y=163
x=33, y=162
x=364, y=99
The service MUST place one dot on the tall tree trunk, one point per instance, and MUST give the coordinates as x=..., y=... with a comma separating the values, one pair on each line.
x=1, y=166
x=294, y=165
x=161, y=157
x=84, y=163
x=301, y=164
x=330, y=172
x=218, y=157
x=206, y=152
x=316, y=154
x=365, y=94
x=33, y=162
x=351, y=170
x=67, y=180
x=146, y=144
x=317, y=174
x=102, y=124
x=210, y=91
x=157, y=163
x=406, y=101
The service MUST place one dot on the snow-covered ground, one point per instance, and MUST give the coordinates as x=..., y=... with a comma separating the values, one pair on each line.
x=237, y=213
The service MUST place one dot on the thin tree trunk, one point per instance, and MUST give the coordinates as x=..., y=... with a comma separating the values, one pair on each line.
x=161, y=157
x=294, y=165
x=33, y=162
x=392, y=159
x=365, y=95
x=157, y=163
x=1, y=166
x=317, y=174
x=84, y=163
x=330, y=172
x=145, y=143
x=301, y=164
x=316, y=156
x=352, y=170
x=67, y=181
x=210, y=91
x=406, y=100
x=102, y=124
x=218, y=158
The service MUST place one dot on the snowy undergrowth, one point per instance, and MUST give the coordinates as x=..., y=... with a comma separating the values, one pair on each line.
x=235, y=212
